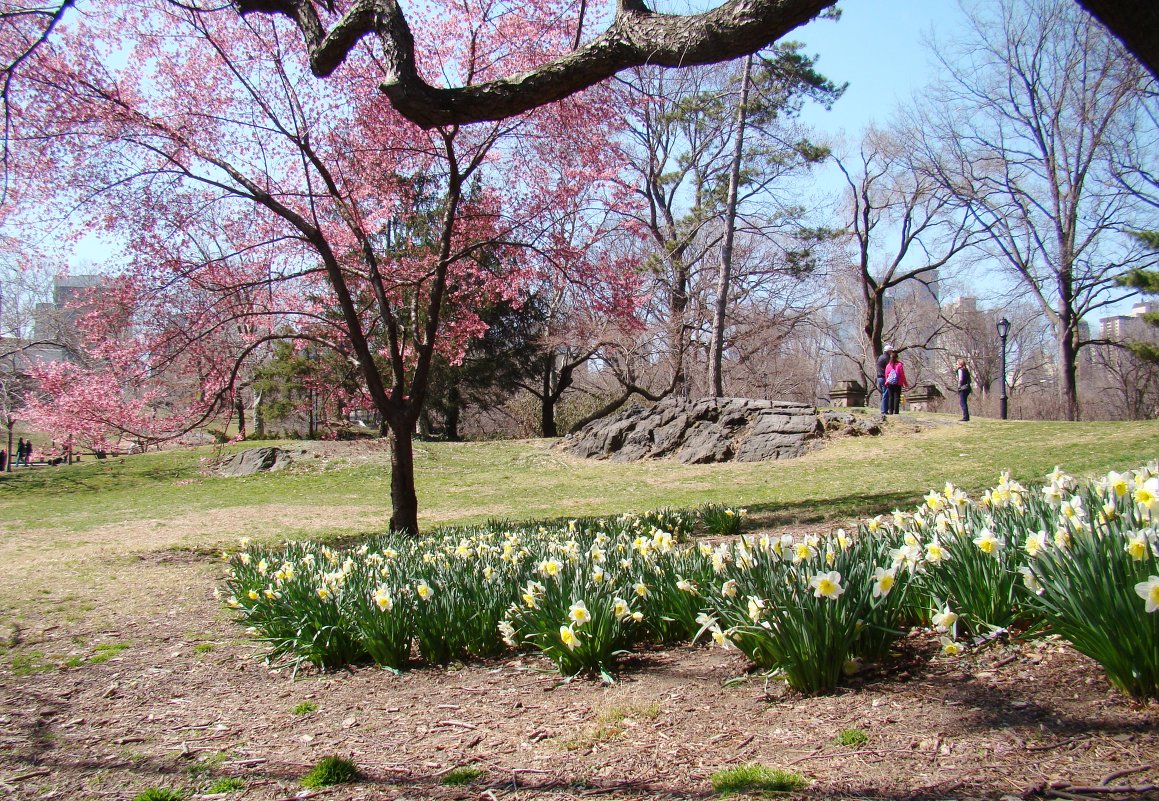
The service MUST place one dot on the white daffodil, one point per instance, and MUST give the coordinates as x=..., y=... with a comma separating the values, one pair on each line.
x=383, y=600
x=883, y=581
x=935, y=552
x=827, y=585
x=621, y=609
x=1149, y=591
x=945, y=619
x=1028, y=579
x=579, y=614
x=1034, y=543
x=988, y=543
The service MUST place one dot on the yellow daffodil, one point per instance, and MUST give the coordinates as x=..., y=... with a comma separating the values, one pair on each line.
x=684, y=585
x=728, y=589
x=642, y=589
x=1147, y=495
x=252, y=595
x=324, y=593
x=756, y=605
x=424, y=591
x=568, y=637
x=1136, y=547
x=802, y=552
x=950, y=647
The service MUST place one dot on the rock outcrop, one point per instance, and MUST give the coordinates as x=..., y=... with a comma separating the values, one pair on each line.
x=702, y=431
x=258, y=460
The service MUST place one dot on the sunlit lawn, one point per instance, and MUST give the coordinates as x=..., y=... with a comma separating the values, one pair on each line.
x=473, y=482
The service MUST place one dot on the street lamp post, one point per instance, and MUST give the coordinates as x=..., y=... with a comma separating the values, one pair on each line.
x=1003, y=329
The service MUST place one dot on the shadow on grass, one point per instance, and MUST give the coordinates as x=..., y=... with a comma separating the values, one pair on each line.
x=850, y=506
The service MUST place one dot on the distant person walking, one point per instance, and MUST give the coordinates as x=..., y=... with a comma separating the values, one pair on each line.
x=882, y=362
x=895, y=382
x=964, y=389
x=19, y=451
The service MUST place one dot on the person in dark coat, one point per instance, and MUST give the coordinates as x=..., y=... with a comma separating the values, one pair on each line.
x=882, y=361
x=964, y=389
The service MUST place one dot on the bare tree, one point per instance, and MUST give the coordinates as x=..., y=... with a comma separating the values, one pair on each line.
x=902, y=229
x=1037, y=101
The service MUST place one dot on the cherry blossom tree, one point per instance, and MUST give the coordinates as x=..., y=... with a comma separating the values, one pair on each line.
x=270, y=205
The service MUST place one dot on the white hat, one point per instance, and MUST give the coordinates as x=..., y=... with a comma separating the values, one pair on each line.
x=886, y=348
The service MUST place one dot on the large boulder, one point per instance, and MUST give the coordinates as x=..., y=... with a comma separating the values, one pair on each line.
x=258, y=460
x=701, y=431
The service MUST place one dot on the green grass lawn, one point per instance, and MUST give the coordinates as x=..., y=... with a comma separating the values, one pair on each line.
x=474, y=482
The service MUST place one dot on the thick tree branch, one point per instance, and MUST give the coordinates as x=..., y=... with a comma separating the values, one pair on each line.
x=637, y=37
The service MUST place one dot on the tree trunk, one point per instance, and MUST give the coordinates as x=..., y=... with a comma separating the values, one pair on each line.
x=547, y=399
x=1067, y=376
x=259, y=417
x=239, y=407
x=405, y=516
x=724, y=277
x=451, y=418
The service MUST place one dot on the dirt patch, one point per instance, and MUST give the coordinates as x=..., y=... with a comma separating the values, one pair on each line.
x=160, y=689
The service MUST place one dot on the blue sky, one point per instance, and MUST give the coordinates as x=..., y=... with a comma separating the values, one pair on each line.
x=878, y=48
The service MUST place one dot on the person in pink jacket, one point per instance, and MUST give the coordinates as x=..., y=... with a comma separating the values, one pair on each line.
x=895, y=382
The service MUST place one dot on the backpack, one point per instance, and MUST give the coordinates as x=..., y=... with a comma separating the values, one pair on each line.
x=891, y=378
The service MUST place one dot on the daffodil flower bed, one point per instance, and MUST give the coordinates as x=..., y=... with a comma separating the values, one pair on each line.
x=1079, y=560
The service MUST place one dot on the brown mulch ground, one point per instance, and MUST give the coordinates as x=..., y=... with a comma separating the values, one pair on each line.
x=190, y=700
